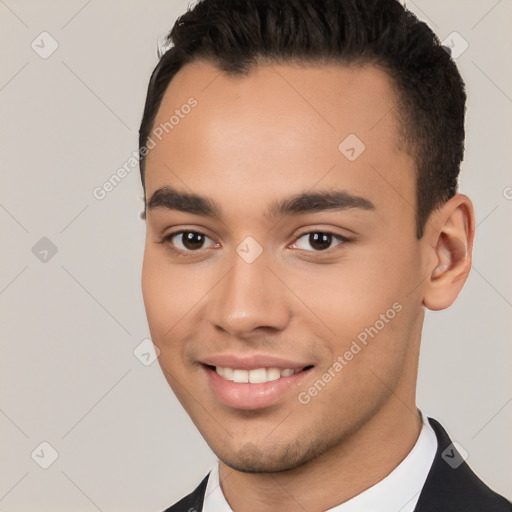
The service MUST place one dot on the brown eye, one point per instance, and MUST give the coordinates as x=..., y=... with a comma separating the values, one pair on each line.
x=192, y=240
x=319, y=241
x=187, y=241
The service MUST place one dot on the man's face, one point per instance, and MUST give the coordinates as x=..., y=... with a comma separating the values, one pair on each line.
x=270, y=289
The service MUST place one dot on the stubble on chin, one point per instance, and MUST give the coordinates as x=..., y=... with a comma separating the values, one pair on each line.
x=268, y=457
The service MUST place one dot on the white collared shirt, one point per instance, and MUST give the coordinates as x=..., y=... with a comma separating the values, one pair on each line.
x=397, y=492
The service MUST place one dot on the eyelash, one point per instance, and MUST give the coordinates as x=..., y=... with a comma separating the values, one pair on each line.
x=186, y=254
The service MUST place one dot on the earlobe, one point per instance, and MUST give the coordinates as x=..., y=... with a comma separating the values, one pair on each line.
x=451, y=246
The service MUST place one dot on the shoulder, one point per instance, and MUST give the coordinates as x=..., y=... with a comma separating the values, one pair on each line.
x=193, y=502
x=452, y=485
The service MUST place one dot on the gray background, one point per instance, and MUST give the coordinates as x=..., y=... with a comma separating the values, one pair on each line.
x=70, y=321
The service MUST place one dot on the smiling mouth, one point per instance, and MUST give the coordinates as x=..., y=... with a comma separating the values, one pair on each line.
x=257, y=375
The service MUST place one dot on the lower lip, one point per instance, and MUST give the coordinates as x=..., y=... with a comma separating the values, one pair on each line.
x=242, y=395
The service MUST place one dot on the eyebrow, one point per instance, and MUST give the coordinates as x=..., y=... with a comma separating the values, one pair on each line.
x=301, y=203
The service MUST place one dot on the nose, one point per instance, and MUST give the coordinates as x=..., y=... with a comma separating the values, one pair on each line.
x=249, y=297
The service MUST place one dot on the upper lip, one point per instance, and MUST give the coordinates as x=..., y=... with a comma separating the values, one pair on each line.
x=252, y=362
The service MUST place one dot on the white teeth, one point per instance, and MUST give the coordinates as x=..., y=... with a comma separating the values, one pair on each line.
x=273, y=374
x=227, y=373
x=256, y=376
x=240, y=376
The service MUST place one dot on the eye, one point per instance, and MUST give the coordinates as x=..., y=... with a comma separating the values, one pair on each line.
x=187, y=241
x=319, y=240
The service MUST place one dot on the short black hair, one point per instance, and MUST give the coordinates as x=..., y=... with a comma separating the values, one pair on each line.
x=237, y=35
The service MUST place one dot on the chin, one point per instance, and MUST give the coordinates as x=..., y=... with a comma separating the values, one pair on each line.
x=251, y=458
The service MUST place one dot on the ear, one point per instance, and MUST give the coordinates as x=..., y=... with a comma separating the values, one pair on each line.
x=450, y=232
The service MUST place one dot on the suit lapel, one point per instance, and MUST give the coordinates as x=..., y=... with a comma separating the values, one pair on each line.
x=451, y=484
x=193, y=502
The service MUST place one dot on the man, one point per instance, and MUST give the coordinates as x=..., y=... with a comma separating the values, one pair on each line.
x=299, y=161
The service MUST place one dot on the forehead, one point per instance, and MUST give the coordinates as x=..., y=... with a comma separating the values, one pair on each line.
x=276, y=128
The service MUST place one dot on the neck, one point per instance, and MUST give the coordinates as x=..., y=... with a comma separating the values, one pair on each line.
x=336, y=476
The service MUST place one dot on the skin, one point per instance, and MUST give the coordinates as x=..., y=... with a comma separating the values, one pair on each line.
x=250, y=141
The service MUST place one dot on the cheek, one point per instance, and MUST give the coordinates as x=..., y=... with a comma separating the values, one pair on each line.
x=386, y=272
x=364, y=304
x=168, y=292
x=164, y=306
x=154, y=288
x=169, y=289
x=365, y=365
x=350, y=296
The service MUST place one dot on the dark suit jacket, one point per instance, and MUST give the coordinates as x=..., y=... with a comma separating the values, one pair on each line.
x=451, y=486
